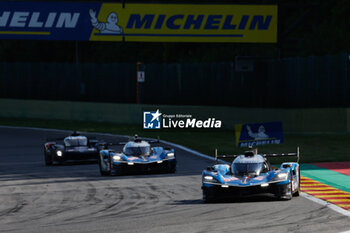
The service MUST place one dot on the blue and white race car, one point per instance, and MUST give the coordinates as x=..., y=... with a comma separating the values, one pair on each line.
x=137, y=156
x=249, y=174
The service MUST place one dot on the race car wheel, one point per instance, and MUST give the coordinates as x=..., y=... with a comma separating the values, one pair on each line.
x=208, y=196
x=55, y=161
x=116, y=172
x=290, y=193
x=286, y=196
x=103, y=173
x=297, y=193
x=172, y=168
x=48, y=159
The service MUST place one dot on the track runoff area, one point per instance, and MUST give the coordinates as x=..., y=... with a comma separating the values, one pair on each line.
x=75, y=198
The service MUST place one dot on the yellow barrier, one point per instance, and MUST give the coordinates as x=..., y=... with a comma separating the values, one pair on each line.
x=186, y=23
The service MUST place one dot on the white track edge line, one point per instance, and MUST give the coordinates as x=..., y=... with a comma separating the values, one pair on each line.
x=305, y=195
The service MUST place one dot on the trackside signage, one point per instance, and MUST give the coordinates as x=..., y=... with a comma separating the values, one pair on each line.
x=258, y=134
x=46, y=20
x=138, y=22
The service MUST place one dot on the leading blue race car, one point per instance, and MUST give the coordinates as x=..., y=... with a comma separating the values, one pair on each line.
x=249, y=174
x=137, y=156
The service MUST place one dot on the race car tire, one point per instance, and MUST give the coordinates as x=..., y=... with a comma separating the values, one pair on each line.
x=56, y=161
x=172, y=168
x=103, y=173
x=115, y=171
x=208, y=197
x=48, y=159
x=297, y=193
x=289, y=195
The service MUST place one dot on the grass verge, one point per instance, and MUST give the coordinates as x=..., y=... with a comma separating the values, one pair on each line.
x=314, y=148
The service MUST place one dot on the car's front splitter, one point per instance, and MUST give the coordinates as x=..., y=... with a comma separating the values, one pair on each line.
x=225, y=191
x=77, y=156
x=130, y=167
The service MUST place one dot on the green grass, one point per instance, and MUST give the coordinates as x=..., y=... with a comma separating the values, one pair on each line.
x=314, y=148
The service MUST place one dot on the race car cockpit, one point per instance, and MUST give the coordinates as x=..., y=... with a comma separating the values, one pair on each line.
x=137, y=148
x=72, y=141
x=249, y=166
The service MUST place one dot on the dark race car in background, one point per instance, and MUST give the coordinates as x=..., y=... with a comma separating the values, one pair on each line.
x=137, y=156
x=249, y=174
x=72, y=148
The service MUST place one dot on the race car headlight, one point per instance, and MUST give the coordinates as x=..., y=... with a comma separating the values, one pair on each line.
x=171, y=155
x=281, y=176
x=59, y=153
x=209, y=179
x=117, y=157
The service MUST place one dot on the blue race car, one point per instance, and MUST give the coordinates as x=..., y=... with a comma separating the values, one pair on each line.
x=249, y=174
x=137, y=156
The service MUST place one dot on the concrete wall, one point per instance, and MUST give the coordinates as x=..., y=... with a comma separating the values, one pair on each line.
x=316, y=120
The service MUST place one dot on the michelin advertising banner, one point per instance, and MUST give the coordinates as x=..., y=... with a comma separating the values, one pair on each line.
x=258, y=134
x=96, y=21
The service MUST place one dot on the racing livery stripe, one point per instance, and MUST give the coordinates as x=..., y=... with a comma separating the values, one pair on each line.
x=325, y=192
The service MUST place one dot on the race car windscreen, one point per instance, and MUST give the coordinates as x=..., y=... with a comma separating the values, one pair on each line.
x=140, y=150
x=78, y=141
x=247, y=169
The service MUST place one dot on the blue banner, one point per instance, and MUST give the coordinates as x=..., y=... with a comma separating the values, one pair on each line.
x=258, y=134
x=46, y=20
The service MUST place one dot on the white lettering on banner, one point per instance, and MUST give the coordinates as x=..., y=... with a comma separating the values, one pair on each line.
x=50, y=19
x=19, y=19
x=34, y=21
x=259, y=143
x=37, y=20
x=67, y=20
x=4, y=18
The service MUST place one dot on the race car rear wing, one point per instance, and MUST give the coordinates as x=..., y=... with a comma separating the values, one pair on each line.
x=62, y=138
x=137, y=139
x=217, y=157
x=297, y=154
x=252, y=152
x=54, y=139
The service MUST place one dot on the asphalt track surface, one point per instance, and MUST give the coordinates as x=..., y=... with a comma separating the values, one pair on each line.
x=75, y=198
